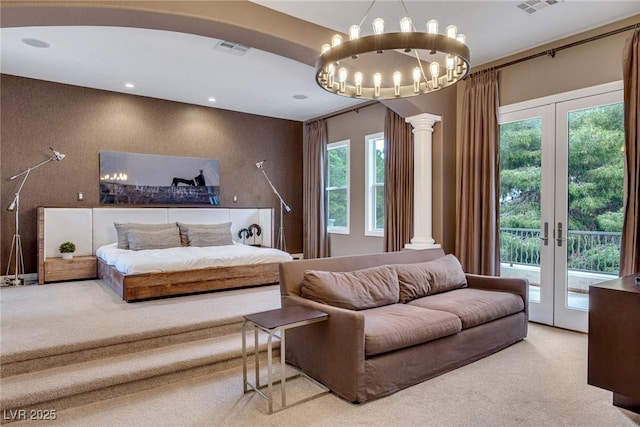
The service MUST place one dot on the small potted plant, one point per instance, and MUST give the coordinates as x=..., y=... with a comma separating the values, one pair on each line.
x=67, y=249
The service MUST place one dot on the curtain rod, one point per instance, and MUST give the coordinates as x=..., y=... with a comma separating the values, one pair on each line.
x=552, y=52
x=341, y=112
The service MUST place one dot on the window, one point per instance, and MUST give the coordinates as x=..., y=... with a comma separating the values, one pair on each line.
x=374, y=193
x=338, y=187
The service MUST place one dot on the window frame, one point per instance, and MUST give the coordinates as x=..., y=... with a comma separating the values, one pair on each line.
x=371, y=185
x=332, y=146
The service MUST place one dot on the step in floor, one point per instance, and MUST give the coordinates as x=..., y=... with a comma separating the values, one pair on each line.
x=154, y=366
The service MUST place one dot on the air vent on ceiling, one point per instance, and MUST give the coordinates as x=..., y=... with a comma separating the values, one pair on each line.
x=231, y=47
x=532, y=6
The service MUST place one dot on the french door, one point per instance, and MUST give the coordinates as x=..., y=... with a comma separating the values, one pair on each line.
x=561, y=174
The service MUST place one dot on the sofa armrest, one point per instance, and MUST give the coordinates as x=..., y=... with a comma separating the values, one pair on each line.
x=519, y=286
x=331, y=351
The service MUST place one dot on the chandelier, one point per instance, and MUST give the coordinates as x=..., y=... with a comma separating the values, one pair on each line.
x=359, y=67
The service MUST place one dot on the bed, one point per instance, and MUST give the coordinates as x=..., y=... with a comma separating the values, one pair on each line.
x=94, y=233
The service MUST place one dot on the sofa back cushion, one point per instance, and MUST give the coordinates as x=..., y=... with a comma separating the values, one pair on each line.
x=414, y=280
x=431, y=277
x=353, y=290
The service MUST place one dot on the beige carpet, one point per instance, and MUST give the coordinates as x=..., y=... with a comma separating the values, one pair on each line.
x=61, y=317
x=538, y=382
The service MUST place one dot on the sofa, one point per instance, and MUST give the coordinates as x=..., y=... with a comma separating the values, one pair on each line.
x=397, y=319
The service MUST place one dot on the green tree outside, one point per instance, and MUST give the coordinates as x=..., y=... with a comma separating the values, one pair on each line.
x=595, y=176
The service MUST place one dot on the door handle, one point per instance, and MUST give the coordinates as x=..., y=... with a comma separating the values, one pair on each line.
x=559, y=239
x=545, y=236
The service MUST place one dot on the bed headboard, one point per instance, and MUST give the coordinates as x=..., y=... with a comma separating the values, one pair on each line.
x=90, y=228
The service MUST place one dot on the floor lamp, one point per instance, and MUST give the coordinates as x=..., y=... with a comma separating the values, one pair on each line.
x=16, y=243
x=280, y=243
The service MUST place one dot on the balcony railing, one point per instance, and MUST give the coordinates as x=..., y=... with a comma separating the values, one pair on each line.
x=590, y=251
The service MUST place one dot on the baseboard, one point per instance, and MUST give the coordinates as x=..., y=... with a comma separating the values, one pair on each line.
x=29, y=278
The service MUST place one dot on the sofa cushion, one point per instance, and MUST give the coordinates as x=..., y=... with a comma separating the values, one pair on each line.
x=431, y=277
x=446, y=274
x=473, y=306
x=353, y=290
x=413, y=280
x=397, y=326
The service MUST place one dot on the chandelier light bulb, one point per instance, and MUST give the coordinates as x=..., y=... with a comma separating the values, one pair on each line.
x=331, y=71
x=406, y=26
x=452, y=31
x=325, y=48
x=357, y=79
x=378, y=26
x=417, y=76
x=451, y=65
x=354, y=32
x=377, y=81
x=342, y=78
x=336, y=40
x=397, y=80
x=432, y=26
x=434, y=67
x=462, y=39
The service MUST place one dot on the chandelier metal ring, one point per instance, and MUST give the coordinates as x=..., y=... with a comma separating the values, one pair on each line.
x=379, y=43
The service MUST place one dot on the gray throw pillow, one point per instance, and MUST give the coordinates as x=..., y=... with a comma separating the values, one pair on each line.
x=153, y=239
x=123, y=228
x=204, y=237
x=212, y=232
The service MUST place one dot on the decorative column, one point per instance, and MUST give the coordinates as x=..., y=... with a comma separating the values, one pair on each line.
x=422, y=181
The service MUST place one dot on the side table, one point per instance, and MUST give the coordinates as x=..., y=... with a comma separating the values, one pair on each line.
x=272, y=321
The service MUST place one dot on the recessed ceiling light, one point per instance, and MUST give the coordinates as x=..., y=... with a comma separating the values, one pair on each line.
x=129, y=85
x=35, y=43
x=212, y=99
x=300, y=96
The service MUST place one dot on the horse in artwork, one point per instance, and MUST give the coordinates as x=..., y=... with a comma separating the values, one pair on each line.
x=197, y=181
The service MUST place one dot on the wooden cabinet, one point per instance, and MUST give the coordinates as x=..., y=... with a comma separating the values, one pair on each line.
x=80, y=267
x=614, y=340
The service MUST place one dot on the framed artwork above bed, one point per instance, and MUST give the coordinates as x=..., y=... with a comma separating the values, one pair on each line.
x=142, y=179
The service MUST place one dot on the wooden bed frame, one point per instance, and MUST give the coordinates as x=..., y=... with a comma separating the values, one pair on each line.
x=135, y=287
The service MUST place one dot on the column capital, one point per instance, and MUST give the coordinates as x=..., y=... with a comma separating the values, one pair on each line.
x=423, y=121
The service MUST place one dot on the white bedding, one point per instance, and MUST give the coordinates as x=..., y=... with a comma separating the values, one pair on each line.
x=187, y=258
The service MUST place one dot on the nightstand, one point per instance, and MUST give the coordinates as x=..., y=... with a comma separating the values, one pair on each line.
x=80, y=267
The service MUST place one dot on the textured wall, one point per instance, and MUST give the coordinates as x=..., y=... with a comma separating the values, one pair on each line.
x=356, y=125
x=80, y=122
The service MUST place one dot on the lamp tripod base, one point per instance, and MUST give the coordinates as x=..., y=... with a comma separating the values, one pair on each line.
x=15, y=279
x=12, y=281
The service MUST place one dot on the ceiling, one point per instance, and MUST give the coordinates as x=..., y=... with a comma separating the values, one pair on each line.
x=186, y=67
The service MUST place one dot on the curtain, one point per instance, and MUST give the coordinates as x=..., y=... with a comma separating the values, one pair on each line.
x=314, y=158
x=630, y=245
x=477, y=238
x=398, y=182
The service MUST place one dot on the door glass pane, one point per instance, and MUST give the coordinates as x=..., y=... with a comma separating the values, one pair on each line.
x=520, y=183
x=595, y=177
